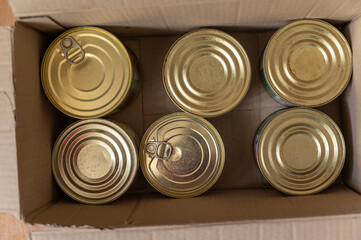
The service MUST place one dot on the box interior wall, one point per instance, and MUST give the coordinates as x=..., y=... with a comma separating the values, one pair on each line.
x=241, y=194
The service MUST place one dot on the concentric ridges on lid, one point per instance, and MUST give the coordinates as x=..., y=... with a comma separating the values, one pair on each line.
x=207, y=72
x=193, y=163
x=300, y=151
x=91, y=76
x=94, y=161
x=307, y=63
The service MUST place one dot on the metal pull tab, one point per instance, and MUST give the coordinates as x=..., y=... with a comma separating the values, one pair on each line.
x=73, y=52
x=160, y=150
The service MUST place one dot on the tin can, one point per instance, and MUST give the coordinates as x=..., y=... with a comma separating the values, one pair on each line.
x=95, y=161
x=206, y=72
x=182, y=155
x=299, y=151
x=306, y=63
x=88, y=73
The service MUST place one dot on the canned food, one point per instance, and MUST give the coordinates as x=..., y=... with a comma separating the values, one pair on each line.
x=299, y=151
x=87, y=73
x=182, y=155
x=306, y=63
x=95, y=161
x=206, y=72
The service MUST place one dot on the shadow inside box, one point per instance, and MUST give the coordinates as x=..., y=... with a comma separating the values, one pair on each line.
x=154, y=209
x=231, y=199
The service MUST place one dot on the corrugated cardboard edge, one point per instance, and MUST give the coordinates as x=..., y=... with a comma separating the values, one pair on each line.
x=184, y=15
x=40, y=7
x=331, y=228
x=9, y=191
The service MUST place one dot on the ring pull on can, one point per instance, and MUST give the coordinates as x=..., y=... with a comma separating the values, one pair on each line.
x=73, y=52
x=88, y=73
x=182, y=155
x=160, y=150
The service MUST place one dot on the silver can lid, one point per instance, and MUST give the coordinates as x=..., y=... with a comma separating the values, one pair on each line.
x=182, y=155
x=94, y=161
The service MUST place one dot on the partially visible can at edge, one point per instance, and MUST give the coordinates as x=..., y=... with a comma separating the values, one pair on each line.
x=87, y=73
x=206, y=72
x=306, y=63
x=182, y=155
x=299, y=151
x=95, y=161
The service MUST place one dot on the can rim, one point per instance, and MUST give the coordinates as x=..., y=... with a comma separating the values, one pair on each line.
x=70, y=193
x=46, y=55
x=308, y=192
x=207, y=115
x=148, y=178
x=347, y=49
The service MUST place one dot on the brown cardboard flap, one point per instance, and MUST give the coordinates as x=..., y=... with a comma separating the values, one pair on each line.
x=37, y=122
x=44, y=24
x=351, y=111
x=314, y=228
x=184, y=15
x=153, y=209
x=9, y=192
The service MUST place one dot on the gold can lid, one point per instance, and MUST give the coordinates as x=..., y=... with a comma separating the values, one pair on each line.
x=94, y=161
x=207, y=72
x=300, y=151
x=308, y=62
x=86, y=72
x=182, y=155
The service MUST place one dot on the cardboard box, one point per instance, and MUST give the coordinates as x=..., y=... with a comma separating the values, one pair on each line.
x=241, y=204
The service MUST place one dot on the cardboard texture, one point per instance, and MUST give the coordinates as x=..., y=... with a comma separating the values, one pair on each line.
x=44, y=24
x=227, y=206
x=351, y=112
x=37, y=122
x=241, y=204
x=331, y=228
x=9, y=193
x=184, y=15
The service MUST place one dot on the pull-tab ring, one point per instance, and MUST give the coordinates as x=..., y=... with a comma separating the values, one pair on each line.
x=73, y=52
x=155, y=149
